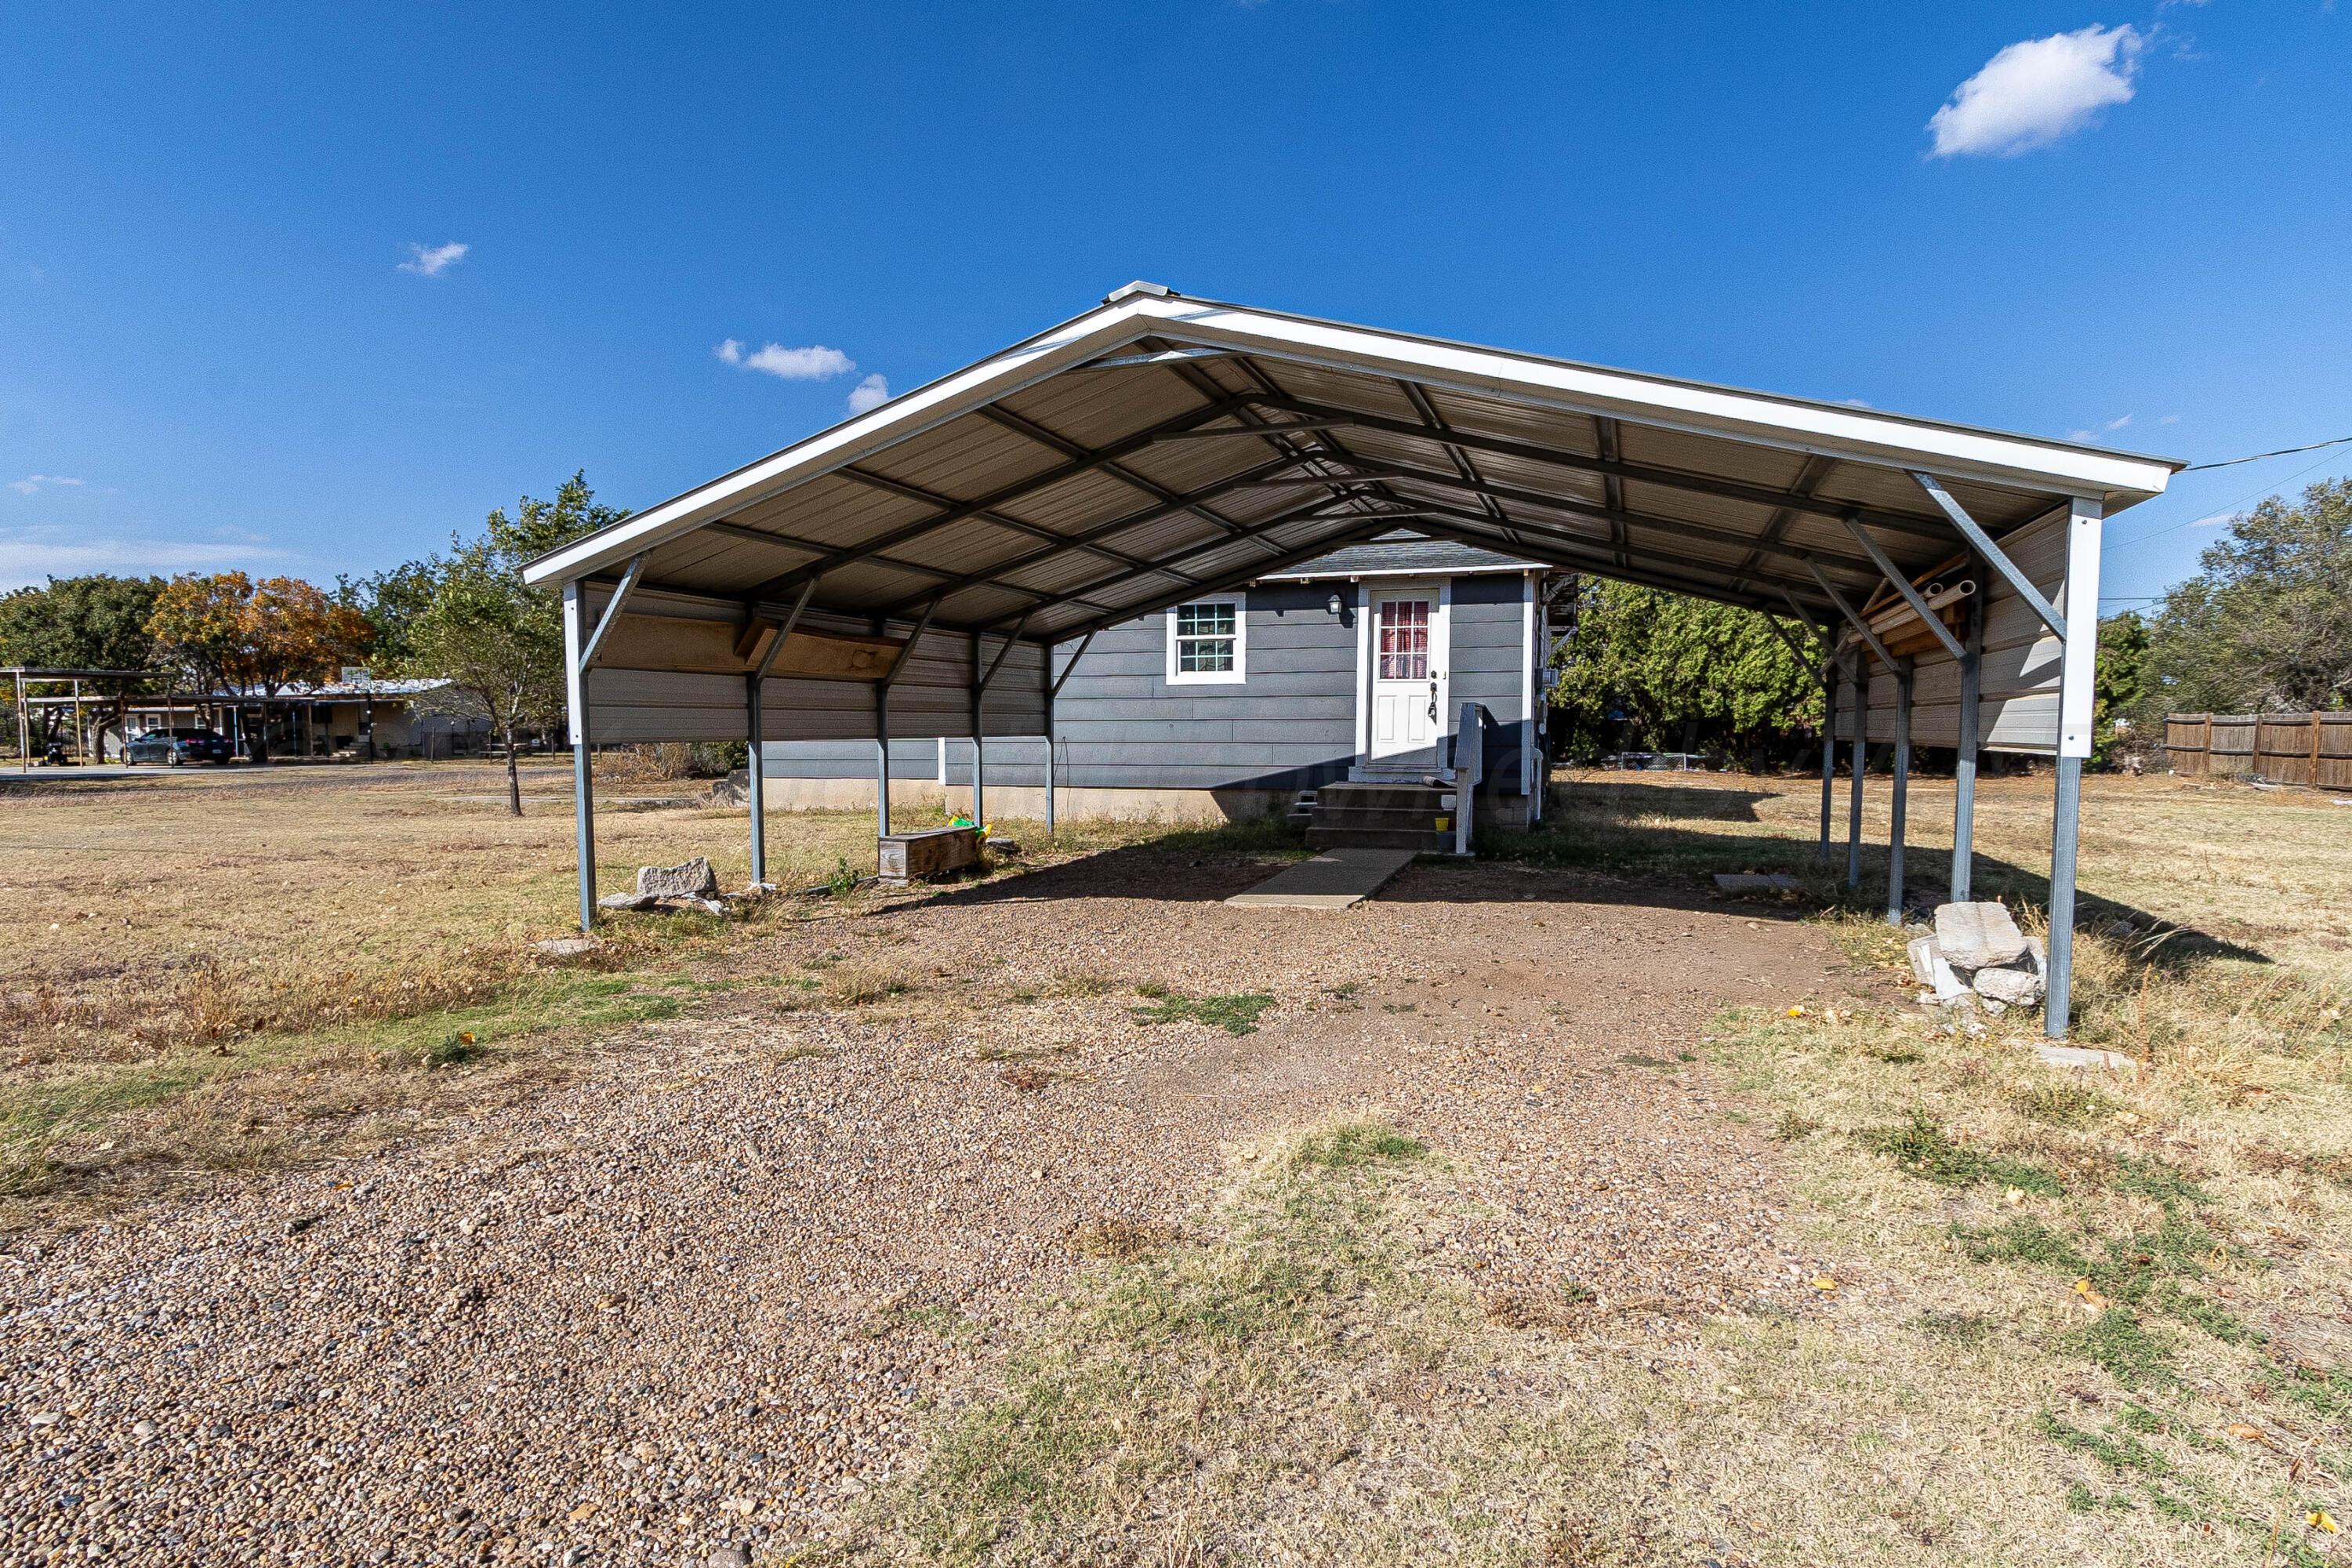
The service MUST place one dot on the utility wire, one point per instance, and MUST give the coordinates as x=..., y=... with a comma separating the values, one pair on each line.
x=2258, y=457
x=2233, y=506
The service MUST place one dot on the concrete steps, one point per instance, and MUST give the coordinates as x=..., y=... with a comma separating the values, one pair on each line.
x=1419, y=818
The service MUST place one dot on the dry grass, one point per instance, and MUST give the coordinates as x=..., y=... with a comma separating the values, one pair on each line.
x=218, y=971
x=2069, y=1318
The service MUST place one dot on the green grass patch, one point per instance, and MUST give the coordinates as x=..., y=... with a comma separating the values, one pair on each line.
x=2115, y=1341
x=2124, y=1453
x=1356, y=1143
x=1236, y=1014
x=1920, y=1146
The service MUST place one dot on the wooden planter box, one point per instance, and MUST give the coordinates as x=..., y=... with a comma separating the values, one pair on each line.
x=939, y=852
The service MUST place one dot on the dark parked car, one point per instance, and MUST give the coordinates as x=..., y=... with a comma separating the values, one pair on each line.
x=177, y=746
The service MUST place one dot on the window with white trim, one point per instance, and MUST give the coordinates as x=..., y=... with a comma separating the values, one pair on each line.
x=1208, y=642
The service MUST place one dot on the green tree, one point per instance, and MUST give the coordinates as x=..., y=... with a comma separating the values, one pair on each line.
x=390, y=603
x=2266, y=623
x=1667, y=663
x=496, y=640
x=2119, y=683
x=83, y=623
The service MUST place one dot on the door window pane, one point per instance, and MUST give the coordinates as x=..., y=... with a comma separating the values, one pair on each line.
x=1404, y=639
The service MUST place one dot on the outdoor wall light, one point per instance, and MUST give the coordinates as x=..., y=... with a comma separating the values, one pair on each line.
x=1336, y=604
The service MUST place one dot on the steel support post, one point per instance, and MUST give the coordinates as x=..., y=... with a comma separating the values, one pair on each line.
x=882, y=762
x=1834, y=689
x=1049, y=767
x=978, y=696
x=584, y=802
x=1861, y=759
x=1964, y=768
x=2065, y=818
x=2076, y=666
x=755, y=777
x=1900, y=800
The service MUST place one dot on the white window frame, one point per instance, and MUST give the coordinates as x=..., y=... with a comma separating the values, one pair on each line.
x=1240, y=672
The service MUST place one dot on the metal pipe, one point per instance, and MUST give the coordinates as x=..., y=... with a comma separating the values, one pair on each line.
x=1901, y=798
x=2064, y=833
x=1964, y=770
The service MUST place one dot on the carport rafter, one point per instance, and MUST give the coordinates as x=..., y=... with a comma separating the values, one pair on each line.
x=1608, y=554
x=1304, y=512
x=964, y=510
x=1377, y=468
x=1641, y=473
x=1004, y=519
x=897, y=563
x=1102, y=530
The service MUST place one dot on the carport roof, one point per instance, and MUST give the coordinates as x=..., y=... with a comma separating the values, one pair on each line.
x=1159, y=448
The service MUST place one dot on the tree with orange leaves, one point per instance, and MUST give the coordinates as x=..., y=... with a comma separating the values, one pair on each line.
x=227, y=633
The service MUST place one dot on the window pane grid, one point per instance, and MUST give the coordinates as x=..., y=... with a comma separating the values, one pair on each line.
x=1208, y=638
x=1404, y=639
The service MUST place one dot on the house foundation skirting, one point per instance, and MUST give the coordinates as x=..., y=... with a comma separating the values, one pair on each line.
x=1027, y=801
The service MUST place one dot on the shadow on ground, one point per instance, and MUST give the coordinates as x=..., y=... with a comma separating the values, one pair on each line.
x=1624, y=844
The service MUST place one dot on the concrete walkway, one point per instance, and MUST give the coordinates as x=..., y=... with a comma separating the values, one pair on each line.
x=1335, y=880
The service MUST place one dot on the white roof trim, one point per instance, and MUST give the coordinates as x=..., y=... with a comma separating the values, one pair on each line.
x=1831, y=430
x=1513, y=567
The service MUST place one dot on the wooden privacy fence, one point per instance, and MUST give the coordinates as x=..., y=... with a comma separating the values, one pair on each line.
x=2277, y=748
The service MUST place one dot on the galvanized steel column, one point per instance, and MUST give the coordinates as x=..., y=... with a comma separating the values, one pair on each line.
x=584, y=802
x=978, y=696
x=1861, y=758
x=1901, y=798
x=1964, y=771
x=2076, y=666
x=755, y=777
x=1834, y=693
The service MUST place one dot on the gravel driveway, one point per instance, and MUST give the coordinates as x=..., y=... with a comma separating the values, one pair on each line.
x=688, y=1302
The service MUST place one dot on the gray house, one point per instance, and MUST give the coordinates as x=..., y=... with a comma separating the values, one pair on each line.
x=1355, y=667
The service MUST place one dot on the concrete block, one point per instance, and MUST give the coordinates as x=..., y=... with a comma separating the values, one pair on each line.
x=1978, y=936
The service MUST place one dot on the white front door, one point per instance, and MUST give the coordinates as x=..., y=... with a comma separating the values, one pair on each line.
x=1408, y=674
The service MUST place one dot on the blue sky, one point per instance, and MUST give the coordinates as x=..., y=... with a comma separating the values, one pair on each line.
x=212, y=355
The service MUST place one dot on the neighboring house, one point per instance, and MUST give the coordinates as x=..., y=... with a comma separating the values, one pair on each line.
x=363, y=717
x=1355, y=666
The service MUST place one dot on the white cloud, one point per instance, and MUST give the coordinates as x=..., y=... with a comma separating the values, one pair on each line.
x=814, y=362
x=431, y=261
x=730, y=351
x=29, y=555
x=2033, y=93
x=1857, y=403
x=32, y=483
x=2093, y=434
x=2169, y=419
x=2219, y=520
x=871, y=393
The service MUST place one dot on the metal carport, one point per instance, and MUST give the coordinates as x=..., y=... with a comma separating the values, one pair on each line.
x=912, y=569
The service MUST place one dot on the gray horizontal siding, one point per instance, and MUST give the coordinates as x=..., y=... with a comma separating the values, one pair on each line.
x=1290, y=724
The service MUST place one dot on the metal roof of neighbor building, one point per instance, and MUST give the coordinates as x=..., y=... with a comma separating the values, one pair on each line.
x=1159, y=446
x=1404, y=554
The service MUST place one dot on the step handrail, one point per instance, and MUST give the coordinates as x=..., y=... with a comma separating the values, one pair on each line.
x=1469, y=768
